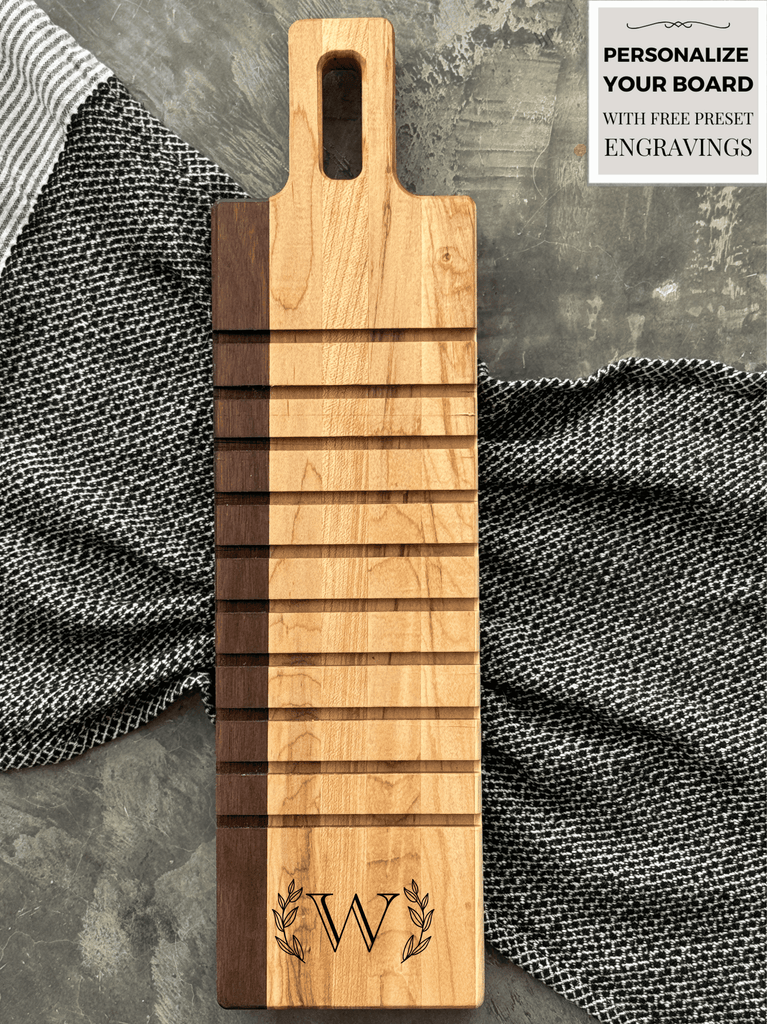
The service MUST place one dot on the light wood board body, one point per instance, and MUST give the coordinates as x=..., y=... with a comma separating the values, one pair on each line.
x=347, y=630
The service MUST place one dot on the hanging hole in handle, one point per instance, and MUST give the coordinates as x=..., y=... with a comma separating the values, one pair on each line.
x=341, y=116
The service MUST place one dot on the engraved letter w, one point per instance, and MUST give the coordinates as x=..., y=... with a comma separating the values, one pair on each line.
x=369, y=936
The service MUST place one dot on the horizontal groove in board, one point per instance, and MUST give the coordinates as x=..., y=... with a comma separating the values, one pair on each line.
x=346, y=498
x=249, y=714
x=281, y=551
x=316, y=632
x=368, y=391
x=348, y=686
x=376, y=336
x=302, y=821
x=451, y=740
x=350, y=658
x=400, y=793
x=360, y=714
x=336, y=605
x=252, y=337
x=344, y=443
x=343, y=767
x=322, y=578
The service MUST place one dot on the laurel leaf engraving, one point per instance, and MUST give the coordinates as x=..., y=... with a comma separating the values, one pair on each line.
x=413, y=948
x=285, y=919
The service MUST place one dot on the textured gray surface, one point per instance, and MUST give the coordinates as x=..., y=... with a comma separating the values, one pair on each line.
x=107, y=894
x=107, y=878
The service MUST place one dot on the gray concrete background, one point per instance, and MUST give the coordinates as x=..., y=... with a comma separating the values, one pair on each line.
x=107, y=885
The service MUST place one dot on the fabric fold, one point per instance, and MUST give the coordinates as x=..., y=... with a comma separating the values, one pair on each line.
x=621, y=561
x=44, y=78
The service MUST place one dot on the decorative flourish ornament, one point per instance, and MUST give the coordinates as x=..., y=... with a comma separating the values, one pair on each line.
x=284, y=918
x=420, y=919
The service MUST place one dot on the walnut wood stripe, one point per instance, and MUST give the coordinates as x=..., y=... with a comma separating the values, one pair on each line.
x=245, y=686
x=240, y=266
x=242, y=633
x=241, y=858
x=242, y=741
x=241, y=363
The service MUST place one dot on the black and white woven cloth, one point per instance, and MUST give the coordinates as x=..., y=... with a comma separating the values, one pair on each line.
x=621, y=561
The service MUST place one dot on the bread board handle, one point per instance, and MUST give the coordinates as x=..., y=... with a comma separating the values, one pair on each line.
x=316, y=47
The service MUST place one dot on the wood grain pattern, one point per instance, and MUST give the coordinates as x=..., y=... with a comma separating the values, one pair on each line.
x=239, y=266
x=408, y=261
x=448, y=740
x=306, y=578
x=447, y=862
x=398, y=793
x=382, y=631
x=347, y=686
x=347, y=628
x=404, y=523
x=380, y=357
x=370, y=417
x=327, y=470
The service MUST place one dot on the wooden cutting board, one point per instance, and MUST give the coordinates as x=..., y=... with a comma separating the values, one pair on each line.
x=347, y=680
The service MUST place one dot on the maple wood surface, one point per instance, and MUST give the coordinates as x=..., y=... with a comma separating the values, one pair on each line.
x=347, y=628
